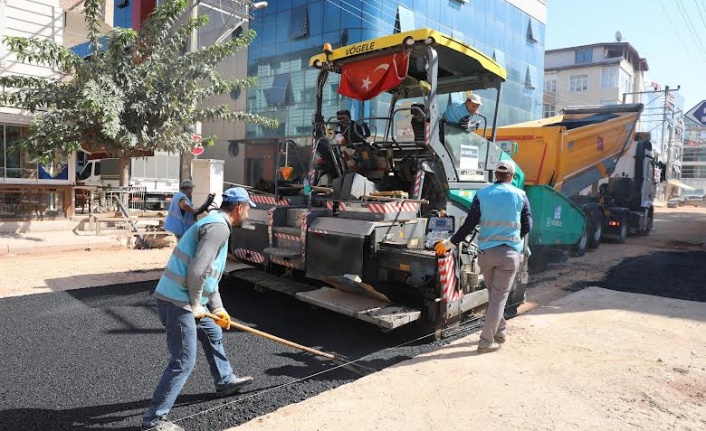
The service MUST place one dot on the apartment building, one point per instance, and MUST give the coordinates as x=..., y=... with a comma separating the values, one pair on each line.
x=29, y=190
x=590, y=75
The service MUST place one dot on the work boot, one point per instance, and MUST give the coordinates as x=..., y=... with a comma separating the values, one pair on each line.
x=162, y=425
x=494, y=347
x=234, y=386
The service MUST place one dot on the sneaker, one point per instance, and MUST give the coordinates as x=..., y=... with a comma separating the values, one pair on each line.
x=234, y=386
x=162, y=425
x=489, y=349
x=499, y=339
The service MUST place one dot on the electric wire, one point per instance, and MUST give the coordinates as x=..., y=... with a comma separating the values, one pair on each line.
x=676, y=30
x=690, y=27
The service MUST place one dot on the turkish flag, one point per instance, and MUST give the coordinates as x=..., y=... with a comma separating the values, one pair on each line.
x=365, y=79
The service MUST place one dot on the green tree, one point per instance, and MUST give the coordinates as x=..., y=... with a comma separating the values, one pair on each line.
x=138, y=92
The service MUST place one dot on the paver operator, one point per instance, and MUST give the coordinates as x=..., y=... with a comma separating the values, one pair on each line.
x=182, y=214
x=186, y=290
x=465, y=114
x=503, y=214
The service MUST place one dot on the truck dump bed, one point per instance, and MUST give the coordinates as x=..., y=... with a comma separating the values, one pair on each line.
x=572, y=151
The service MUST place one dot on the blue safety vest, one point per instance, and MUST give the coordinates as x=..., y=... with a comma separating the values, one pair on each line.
x=177, y=222
x=172, y=284
x=455, y=112
x=500, y=208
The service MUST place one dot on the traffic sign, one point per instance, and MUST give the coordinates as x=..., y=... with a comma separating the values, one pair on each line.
x=198, y=148
x=698, y=114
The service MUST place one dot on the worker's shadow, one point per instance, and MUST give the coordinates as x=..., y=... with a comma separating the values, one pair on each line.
x=113, y=417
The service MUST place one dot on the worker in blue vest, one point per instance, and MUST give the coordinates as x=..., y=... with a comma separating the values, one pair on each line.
x=187, y=289
x=465, y=114
x=504, y=217
x=182, y=214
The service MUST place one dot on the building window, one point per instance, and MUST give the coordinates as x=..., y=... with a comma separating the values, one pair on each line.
x=578, y=83
x=584, y=55
x=499, y=57
x=404, y=21
x=626, y=81
x=299, y=23
x=264, y=70
x=609, y=77
x=549, y=110
x=531, y=31
x=280, y=92
x=530, y=77
x=550, y=84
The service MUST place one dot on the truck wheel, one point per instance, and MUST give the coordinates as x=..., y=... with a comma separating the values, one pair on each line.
x=579, y=249
x=594, y=238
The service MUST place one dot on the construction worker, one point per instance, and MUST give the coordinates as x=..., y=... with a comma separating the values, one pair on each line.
x=463, y=113
x=186, y=291
x=182, y=214
x=503, y=213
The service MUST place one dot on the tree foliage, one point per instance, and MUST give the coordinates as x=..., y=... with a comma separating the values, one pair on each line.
x=137, y=92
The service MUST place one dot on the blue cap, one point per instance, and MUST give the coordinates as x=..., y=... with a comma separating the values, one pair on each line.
x=237, y=195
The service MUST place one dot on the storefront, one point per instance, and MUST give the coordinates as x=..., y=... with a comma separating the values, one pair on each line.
x=29, y=190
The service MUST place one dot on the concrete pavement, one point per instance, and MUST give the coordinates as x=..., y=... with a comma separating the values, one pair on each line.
x=77, y=233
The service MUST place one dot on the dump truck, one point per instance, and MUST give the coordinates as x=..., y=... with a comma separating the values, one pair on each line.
x=593, y=157
x=353, y=230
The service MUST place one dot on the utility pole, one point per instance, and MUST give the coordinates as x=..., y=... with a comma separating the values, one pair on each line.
x=665, y=144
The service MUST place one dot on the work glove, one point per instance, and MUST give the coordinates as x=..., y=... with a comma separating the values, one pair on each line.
x=203, y=208
x=199, y=311
x=443, y=247
x=467, y=124
x=224, y=321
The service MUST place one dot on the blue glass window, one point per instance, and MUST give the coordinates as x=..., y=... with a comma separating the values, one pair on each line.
x=531, y=77
x=277, y=94
x=299, y=22
x=499, y=57
x=532, y=34
x=584, y=55
x=404, y=20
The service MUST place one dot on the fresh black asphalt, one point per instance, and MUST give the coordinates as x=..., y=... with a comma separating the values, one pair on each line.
x=89, y=359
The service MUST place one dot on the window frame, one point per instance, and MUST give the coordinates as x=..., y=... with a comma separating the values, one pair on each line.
x=574, y=81
x=583, y=56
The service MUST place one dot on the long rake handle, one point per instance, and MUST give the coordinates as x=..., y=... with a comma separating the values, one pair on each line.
x=274, y=338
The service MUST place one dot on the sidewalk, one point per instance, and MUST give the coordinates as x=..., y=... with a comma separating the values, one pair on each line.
x=39, y=237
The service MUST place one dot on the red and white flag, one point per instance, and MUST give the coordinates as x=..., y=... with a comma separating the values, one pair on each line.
x=365, y=79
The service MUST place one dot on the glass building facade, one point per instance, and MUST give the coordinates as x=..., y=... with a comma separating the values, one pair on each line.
x=291, y=31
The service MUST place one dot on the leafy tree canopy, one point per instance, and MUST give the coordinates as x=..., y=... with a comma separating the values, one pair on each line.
x=137, y=92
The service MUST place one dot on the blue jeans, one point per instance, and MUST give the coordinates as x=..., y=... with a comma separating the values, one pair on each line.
x=182, y=331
